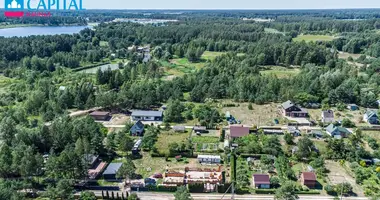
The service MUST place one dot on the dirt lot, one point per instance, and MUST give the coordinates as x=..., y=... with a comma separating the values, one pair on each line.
x=338, y=174
x=117, y=119
x=259, y=115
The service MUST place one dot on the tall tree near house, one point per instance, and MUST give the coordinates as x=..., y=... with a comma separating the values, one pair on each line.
x=305, y=148
x=286, y=192
x=127, y=170
x=174, y=110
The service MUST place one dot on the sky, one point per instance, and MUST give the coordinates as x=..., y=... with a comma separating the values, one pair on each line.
x=223, y=4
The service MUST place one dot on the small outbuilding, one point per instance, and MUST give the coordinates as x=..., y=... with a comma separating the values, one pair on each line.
x=327, y=116
x=200, y=129
x=180, y=129
x=261, y=181
x=371, y=117
x=352, y=107
x=238, y=131
x=100, y=116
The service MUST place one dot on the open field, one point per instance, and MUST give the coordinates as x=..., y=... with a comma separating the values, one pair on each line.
x=259, y=115
x=165, y=138
x=147, y=165
x=373, y=134
x=272, y=30
x=211, y=55
x=280, y=72
x=338, y=174
x=313, y=38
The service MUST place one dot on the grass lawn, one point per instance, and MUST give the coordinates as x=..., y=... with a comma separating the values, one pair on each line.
x=280, y=72
x=313, y=38
x=259, y=115
x=373, y=134
x=5, y=25
x=103, y=43
x=204, y=139
x=299, y=167
x=272, y=30
x=102, y=182
x=321, y=146
x=211, y=55
x=165, y=138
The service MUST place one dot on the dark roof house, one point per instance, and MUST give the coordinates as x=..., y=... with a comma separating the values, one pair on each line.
x=200, y=129
x=98, y=115
x=289, y=109
x=339, y=131
x=137, y=129
x=238, y=131
x=110, y=173
x=371, y=117
x=261, y=181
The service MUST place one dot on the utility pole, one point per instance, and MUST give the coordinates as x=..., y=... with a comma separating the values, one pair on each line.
x=233, y=190
x=341, y=192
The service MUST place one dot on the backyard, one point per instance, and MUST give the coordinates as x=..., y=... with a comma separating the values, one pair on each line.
x=259, y=115
x=167, y=137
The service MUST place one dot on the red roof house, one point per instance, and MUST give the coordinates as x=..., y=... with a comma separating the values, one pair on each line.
x=309, y=179
x=261, y=181
x=238, y=131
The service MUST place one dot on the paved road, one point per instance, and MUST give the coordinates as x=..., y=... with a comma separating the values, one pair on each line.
x=165, y=196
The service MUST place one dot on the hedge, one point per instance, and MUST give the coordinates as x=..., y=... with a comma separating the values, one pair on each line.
x=265, y=191
x=309, y=192
x=90, y=66
x=162, y=188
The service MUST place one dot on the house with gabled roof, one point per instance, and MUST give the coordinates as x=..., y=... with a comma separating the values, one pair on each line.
x=238, y=131
x=147, y=115
x=261, y=181
x=337, y=131
x=371, y=117
x=137, y=129
x=309, y=179
x=289, y=109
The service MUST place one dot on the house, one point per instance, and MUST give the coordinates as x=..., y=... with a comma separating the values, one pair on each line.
x=337, y=131
x=309, y=179
x=211, y=159
x=327, y=116
x=137, y=129
x=371, y=117
x=316, y=133
x=100, y=116
x=200, y=129
x=289, y=109
x=147, y=115
x=110, y=173
x=91, y=159
x=261, y=181
x=238, y=131
x=180, y=129
x=136, y=147
x=352, y=107
x=294, y=131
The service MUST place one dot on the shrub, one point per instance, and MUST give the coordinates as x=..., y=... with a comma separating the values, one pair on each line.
x=265, y=191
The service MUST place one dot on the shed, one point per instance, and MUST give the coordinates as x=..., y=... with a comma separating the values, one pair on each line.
x=228, y=115
x=110, y=173
x=352, y=107
x=101, y=116
x=200, y=129
x=179, y=128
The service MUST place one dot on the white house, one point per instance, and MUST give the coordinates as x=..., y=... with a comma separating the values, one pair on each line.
x=327, y=116
x=212, y=159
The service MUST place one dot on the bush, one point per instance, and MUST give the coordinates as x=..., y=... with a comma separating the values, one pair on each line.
x=242, y=191
x=309, y=192
x=250, y=107
x=347, y=123
x=223, y=188
x=196, y=187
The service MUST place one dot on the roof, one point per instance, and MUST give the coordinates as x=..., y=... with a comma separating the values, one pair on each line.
x=287, y=104
x=147, y=113
x=138, y=125
x=208, y=156
x=328, y=114
x=99, y=113
x=331, y=128
x=199, y=128
x=112, y=168
x=179, y=128
x=261, y=179
x=371, y=113
x=309, y=176
x=239, y=131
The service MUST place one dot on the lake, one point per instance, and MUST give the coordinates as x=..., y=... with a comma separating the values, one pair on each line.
x=40, y=30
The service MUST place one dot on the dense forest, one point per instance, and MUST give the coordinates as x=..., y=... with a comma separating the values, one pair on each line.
x=34, y=109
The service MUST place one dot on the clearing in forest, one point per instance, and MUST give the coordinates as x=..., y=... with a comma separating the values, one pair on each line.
x=313, y=38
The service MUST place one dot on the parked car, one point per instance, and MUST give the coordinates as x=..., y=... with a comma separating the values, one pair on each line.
x=157, y=176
